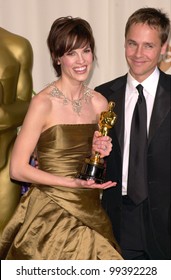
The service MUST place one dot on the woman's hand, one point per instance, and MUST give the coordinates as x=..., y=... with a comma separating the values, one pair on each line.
x=77, y=183
x=92, y=185
x=101, y=144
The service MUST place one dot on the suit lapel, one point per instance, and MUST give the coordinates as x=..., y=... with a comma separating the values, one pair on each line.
x=161, y=105
x=160, y=109
x=118, y=96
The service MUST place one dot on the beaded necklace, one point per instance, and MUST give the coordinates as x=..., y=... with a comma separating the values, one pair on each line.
x=77, y=103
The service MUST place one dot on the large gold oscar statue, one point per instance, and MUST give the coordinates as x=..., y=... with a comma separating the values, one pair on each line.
x=16, y=61
x=93, y=166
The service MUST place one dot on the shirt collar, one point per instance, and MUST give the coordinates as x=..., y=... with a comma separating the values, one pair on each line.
x=150, y=84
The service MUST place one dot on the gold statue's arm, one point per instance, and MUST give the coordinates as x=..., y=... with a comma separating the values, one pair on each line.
x=13, y=110
x=12, y=115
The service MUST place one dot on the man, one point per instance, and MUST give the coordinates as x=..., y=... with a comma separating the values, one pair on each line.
x=141, y=225
x=16, y=61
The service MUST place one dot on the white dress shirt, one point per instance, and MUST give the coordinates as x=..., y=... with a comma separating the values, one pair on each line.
x=131, y=96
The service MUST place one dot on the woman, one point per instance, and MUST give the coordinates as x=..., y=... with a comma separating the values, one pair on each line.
x=61, y=217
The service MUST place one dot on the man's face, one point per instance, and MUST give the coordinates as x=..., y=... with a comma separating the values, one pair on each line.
x=142, y=50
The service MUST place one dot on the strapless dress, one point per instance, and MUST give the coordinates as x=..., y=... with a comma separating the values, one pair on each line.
x=56, y=222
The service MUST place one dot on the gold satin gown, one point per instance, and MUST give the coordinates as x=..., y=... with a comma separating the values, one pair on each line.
x=56, y=222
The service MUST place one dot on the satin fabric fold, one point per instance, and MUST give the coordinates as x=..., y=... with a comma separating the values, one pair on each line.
x=56, y=222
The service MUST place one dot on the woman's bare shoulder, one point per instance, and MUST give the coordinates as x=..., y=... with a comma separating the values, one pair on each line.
x=100, y=100
x=41, y=101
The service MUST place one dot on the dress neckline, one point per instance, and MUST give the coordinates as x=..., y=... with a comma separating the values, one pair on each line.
x=73, y=125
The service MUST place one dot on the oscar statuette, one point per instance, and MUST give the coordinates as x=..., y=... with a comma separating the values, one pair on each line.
x=93, y=166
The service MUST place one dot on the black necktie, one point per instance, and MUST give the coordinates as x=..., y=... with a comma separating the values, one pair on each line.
x=137, y=179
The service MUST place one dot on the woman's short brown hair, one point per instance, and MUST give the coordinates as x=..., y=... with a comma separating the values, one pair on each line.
x=66, y=34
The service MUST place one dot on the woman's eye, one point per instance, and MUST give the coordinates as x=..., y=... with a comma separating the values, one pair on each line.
x=87, y=50
x=70, y=53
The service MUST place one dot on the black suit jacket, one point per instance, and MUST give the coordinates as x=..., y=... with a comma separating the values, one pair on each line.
x=157, y=210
